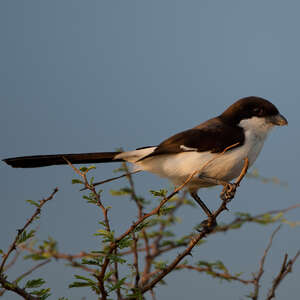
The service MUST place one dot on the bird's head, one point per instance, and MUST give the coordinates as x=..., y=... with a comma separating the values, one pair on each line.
x=251, y=110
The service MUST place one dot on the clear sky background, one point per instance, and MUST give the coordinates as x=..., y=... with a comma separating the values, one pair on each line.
x=86, y=76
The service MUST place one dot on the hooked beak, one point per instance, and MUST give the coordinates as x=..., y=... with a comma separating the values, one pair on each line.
x=278, y=120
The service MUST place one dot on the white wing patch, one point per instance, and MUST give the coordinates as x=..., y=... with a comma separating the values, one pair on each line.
x=185, y=148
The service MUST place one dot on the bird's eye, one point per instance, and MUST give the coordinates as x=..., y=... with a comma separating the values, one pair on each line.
x=258, y=111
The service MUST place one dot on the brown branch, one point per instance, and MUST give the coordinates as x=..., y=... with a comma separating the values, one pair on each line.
x=140, y=207
x=111, y=179
x=142, y=217
x=135, y=261
x=20, y=231
x=92, y=189
x=116, y=273
x=13, y=261
x=10, y=286
x=206, y=230
x=223, y=275
x=238, y=220
x=286, y=268
x=63, y=256
x=154, y=211
x=114, y=244
x=256, y=278
x=175, y=262
x=32, y=270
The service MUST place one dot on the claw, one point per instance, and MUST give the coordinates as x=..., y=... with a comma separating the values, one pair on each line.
x=207, y=226
x=229, y=191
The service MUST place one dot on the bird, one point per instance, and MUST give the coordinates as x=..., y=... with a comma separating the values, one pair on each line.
x=215, y=149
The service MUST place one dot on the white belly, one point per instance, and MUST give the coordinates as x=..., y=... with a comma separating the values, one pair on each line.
x=226, y=166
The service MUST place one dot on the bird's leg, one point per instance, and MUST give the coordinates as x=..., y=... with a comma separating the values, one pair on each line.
x=210, y=221
x=201, y=203
x=229, y=188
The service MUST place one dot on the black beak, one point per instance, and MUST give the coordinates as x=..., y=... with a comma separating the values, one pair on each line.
x=278, y=120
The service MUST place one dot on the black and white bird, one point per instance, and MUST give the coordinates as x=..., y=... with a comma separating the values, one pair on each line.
x=242, y=129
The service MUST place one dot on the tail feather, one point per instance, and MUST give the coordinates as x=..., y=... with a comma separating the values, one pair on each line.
x=58, y=159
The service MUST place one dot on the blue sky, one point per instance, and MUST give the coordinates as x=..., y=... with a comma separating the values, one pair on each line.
x=86, y=76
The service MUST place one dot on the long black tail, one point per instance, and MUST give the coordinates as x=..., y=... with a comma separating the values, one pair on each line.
x=58, y=159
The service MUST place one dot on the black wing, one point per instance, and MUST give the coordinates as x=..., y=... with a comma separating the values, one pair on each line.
x=213, y=136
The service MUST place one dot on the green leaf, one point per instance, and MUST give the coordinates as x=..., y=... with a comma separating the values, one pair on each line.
x=87, y=169
x=25, y=236
x=121, y=192
x=35, y=257
x=92, y=167
x=166, y=210
x=160, y=193
x=84, y=283
x=118, y=285
x=160, y=265
x=77, y=181
x=43, y=293
x=108, y=275
x=108, y=235
x=92, y=262
x=121, y=169
x=85, y=279
x=92, y=180
x=35, y=283
x=125, y=242
x=243, y=215
x=141, y=226
x=33, y=203
x=77, y=284
x=116, y=258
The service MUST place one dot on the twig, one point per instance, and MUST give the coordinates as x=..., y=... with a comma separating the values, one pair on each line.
x=223, y=275
x=20, y=231
x=256, y=278
x=286, y=268
x=65, y=256
x=135, y=261
x=112, y=179
x=105, y=264
x=198, y=237
x=14, y=288
x=114, y=244
x=32, y=270
x=238, y=220
x=13, y=261
x=116, y=273
x=148, y=256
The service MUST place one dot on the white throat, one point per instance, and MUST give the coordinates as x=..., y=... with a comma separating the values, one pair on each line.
x=259, y=127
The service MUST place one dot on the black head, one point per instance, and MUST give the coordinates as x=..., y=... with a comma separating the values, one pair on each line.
x=249, y=107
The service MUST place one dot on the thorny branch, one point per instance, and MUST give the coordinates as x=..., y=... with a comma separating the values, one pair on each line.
x=145, y=280
x=194, y=241
x=149, y=279
x=91, y=188
x=257, y=277
x=12, y=247
x=12, y=286
x=285, y=269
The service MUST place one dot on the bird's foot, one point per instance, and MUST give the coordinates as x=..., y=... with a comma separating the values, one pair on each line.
x=208, y=225
x=228, y=191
